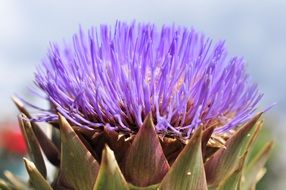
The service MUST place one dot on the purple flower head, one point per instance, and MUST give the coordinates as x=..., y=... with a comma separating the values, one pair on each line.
x=117, y=76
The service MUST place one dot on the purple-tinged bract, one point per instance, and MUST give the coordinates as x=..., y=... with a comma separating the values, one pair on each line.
x=117, y=76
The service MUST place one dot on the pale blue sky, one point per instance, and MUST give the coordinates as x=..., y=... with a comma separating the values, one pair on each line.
x=254, y=29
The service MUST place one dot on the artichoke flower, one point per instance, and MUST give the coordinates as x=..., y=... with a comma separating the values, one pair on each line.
x=137, y=107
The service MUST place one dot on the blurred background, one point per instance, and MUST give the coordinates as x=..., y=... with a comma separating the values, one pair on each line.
x=252, y=29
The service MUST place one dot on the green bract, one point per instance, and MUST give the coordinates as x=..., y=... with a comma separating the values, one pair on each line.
x=107, y=160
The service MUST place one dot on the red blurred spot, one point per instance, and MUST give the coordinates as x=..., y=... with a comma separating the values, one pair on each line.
x=11, y=138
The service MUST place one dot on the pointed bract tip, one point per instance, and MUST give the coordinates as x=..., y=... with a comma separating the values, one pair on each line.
x=62, y=119
x=107, y=154
x=7, y=173
x=257, y=116
x=197, y=133
x=251, y=123
x=17, y=101
x=30, y=166
x=65, y=128
x=4, y=185
x=20, y=105
x=64, y=124
x=269, y=146
x=148, y=121
x=107, y=150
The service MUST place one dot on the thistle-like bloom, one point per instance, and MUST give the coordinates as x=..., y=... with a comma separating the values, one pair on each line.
x=117, y=76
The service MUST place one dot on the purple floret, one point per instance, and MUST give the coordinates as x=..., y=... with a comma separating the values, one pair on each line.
x=117, y=76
